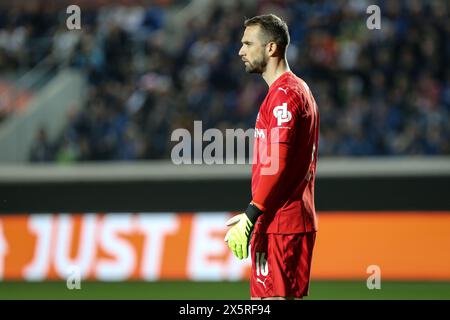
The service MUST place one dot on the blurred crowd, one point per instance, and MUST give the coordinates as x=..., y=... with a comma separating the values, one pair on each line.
x=379, y=92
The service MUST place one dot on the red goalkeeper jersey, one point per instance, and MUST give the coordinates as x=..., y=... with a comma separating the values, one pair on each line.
x=285, y=157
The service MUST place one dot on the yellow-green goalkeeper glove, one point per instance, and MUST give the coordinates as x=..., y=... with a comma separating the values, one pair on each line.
x=238, y=237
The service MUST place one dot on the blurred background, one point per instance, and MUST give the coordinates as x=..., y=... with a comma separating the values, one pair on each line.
x=86, y=117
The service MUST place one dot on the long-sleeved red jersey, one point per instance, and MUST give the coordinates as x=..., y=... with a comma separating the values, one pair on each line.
x=285, y=157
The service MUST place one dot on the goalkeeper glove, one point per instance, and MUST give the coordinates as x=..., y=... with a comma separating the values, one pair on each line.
x=238, y=237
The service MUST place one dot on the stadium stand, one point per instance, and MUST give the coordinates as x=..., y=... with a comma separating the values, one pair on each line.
x=380, y=92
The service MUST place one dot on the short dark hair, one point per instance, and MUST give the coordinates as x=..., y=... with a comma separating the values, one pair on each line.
x=273, y=27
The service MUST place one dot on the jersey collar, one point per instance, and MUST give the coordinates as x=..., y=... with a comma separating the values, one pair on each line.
x=279, y=79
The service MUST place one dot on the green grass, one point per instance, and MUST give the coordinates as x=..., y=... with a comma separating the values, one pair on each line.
x=174, y=290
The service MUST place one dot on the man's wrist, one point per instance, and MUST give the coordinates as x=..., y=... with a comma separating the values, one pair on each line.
x=253, y=213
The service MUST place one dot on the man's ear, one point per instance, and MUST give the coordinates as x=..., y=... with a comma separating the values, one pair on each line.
x=272, y=49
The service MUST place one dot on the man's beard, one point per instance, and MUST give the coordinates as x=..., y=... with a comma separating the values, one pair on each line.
x=257, y=66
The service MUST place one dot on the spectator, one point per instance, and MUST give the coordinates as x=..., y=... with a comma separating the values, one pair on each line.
x=41, y=149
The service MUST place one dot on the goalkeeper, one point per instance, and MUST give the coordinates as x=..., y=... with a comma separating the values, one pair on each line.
x=280, y=222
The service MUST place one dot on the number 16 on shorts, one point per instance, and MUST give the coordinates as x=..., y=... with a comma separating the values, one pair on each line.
x=262, y=268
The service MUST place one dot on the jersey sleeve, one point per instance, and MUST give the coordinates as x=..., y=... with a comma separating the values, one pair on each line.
x=282, y=116
x=268, y=193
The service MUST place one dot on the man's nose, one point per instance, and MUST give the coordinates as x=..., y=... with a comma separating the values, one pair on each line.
x=241, y=52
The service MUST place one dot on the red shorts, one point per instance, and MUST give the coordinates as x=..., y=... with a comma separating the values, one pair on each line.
x=281, y=264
